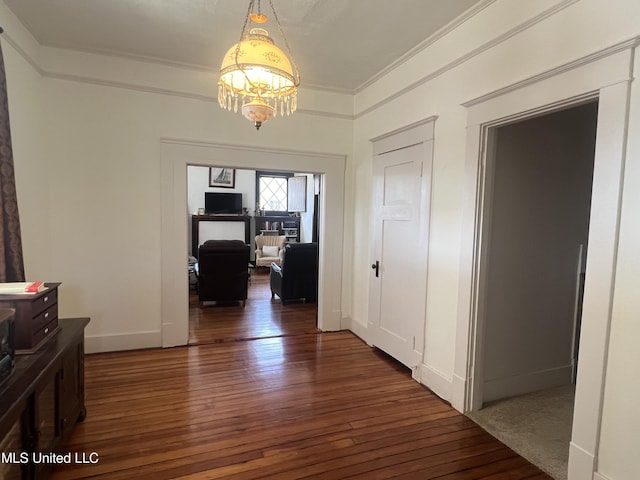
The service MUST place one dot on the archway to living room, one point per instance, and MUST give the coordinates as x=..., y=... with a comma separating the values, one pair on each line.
x=262, y=205
x=176, y=155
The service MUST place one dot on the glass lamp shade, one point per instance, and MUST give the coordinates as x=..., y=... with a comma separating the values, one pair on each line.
x=259, y=72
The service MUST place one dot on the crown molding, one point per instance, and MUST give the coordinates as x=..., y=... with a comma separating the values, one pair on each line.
x=16, y=46
x=473, y=53
x=451, y=26
x=142, y=88
x=593, y=57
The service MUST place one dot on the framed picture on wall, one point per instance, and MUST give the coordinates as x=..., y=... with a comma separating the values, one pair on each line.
x=222, y=177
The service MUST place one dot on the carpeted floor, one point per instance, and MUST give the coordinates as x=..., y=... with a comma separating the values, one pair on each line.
x=537, y=426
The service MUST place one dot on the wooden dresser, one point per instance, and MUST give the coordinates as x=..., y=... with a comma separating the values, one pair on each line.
x=36, y=317
x=41, y=402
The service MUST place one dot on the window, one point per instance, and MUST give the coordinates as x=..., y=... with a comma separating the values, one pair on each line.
x=272, y=191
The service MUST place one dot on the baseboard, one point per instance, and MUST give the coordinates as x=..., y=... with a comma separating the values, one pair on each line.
x=357, y=328
x=530, y=382
x=118, y=342
x=599, y=476
x=581, y=463
x=436, y=381
x=458, y=392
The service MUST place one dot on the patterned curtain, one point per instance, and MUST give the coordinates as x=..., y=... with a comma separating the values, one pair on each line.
x=11, y=262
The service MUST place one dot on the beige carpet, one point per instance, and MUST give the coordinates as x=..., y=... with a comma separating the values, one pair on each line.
x=537, y=426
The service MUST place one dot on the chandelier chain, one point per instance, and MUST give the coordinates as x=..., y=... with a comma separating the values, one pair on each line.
x=242, y=35
x=295, y=65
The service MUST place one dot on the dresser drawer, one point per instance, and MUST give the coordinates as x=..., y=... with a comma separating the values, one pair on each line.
x=42, y=302
x=45, y=317
x=47, y=330
x=35, y=318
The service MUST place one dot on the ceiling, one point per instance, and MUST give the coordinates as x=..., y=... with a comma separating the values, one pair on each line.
x=337, y=44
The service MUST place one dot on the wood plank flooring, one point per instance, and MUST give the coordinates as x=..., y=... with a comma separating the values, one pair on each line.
x=295, y=405
x=261, y=316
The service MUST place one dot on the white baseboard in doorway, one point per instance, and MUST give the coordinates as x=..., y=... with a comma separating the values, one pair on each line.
x=436, y=381
x=526, y=383
x=119, y=342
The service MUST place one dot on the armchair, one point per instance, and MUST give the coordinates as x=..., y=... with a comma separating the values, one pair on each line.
x=264, y=257
x=223, y=271
x=297, y=278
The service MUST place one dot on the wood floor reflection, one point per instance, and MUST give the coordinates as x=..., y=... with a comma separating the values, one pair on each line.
x=261, y=317
x=294, y=404
x=318, y=406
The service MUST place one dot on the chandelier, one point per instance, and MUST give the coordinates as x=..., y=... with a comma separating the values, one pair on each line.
x=256, y=76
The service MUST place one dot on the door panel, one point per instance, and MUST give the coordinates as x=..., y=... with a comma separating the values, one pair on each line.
x=400, y=238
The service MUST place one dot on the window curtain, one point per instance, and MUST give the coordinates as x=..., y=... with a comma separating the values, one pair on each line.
x=11, y=261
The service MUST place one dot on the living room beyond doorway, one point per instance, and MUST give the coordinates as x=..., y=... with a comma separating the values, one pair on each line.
x=261, y=317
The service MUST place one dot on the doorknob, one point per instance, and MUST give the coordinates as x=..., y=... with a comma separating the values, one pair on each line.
x=376, y=267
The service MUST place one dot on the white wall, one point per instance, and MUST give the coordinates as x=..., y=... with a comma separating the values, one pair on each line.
x=540, y=201
x=198, y=184
x=306, y=217
x=504, y=44
x=89, y=188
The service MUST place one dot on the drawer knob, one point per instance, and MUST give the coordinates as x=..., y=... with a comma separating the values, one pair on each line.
x=45, y=299
x=46, y=315
x=46, y=330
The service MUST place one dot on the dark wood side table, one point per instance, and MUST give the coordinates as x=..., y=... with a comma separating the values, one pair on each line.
x=42, y=400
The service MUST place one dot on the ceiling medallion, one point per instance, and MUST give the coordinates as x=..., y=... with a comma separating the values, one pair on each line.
x=256, y=76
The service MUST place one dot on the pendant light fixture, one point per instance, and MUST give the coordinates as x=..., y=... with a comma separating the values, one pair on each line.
x=256, y=76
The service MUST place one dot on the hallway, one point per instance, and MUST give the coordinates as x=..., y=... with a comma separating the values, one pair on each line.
x=319, y=406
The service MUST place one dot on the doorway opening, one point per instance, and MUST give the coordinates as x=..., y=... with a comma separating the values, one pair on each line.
x=535, y=227
x=176, y=155
x=292, y=217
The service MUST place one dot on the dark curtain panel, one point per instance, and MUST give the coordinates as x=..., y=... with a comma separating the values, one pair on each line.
x=11, y=263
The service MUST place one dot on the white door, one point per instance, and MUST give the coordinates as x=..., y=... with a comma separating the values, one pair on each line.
x=398, y=286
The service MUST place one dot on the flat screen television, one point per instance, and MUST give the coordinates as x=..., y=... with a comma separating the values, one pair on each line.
x=223, y=203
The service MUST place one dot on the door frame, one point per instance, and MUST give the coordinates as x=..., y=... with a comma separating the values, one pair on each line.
x=176, y=155
x=607, y=78
x=417, y=133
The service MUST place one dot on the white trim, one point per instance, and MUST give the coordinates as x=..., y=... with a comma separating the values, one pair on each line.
x=495, y=389
x=138, y=87
x=125, y=341
x=593, y=57
x=176, y=155
x=611, y=139
x=582, y=464
x=413, y=134
x=436, y=381
x=450, y=27
x=357, y=328
x=468, y=56
x=599, y=476
x=608, y=78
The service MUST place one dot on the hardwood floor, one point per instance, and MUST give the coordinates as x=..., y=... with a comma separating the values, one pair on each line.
x=291, y=406
x=261, y=316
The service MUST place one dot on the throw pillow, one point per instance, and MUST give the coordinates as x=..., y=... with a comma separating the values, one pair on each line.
x=270, y=251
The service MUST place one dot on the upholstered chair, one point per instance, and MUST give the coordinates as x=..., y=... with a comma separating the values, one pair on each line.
x=223, y=271
x=269, y=250
x=297, y=278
